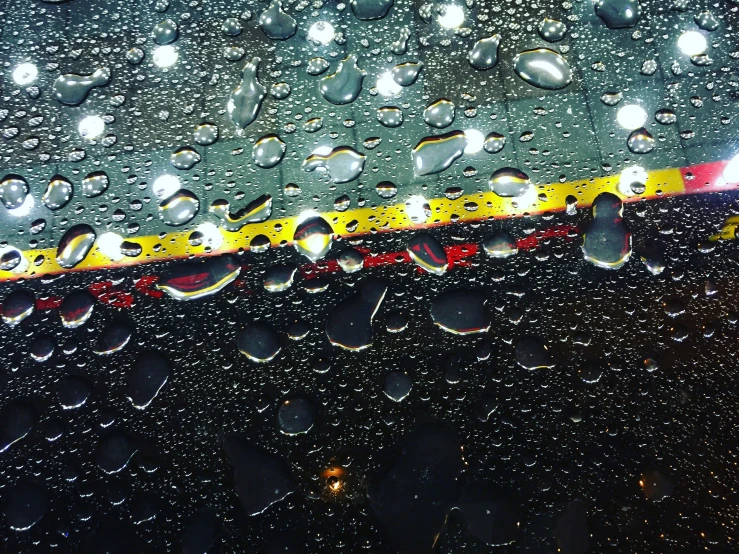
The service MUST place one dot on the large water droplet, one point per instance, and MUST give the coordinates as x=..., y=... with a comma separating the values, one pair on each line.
x=113, y=338
x=58, y=193
x=552, y=30
x=76, y=308
x=344, y=86
x=73, y=391
x=184, y=158
x=398, y=385
x=316, y=66
x=16, y=421
x=618, y=14
x=192, y=280
x=246, y=99
x=268, y=151
x=532, y=353
x=509, y=182
x=74, y=245
x=343, y=164
x=607, y=242
x=95, y=184
x=13, y=191
x=350, y=323
x=17, y=306
x=146, y=378
x=205, y=134
x=179, y=208
x=405, y=74
x=165, y=32
x=313, y=238
x=428, y=254
x=500, y=245
x=27, y=503
x=256, y=211
x=641, y=141
x=115, y=451
x=370, y=9
x=494, y=143
x=275, y=23
x=461, y=312
x=72, y=89
x=436, y=154
x=390, y=116
x=258, y=342
x=543, y=68
x=440, y=113
x=296, y=415
x=484, y=54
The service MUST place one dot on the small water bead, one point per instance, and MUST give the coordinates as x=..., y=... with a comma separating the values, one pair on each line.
x=280, y=277
x=233, y=53
x=400, y=46
x=146, y=378
x=618, y=14
x=260, y=243
x=706, y=21
x=231, y=27
x=194, y=280
x=13, y=191
x=342, y=203
x=552, y=30
x=611, y=98
x=665, y=117
x=500, y=245
x=205, y=134
x=73, y=392
x=185, y=158
x=428, y=254
x=280, y=91
x=317, y=66
x=641, y=141
x=351, y=260
x=76, y=308
x=114, y=337
x=386, y=189
x=292, y=190
x=312, y=125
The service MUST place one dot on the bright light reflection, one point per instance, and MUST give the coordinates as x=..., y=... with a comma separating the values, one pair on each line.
x=387, y=86
x=110, y=245
x=416, y=209
x=91, y=127
x=306, y=214
x=527, y=199
x=475, y=141
x=24, y=209
x=323, y=151
x=731, y=171
x=165, y=56
x=452, y=17
x=692, y=43
x=321, y=32
x=631, y=116
x=165, y=186
x=212, y=236
x=25, y=74
x=629, y=176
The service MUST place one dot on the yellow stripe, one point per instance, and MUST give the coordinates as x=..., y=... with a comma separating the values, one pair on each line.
x=175, y=245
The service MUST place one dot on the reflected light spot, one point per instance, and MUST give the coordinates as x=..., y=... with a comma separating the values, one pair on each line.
x=547, y=67
x=387, y=86
x=166, y=185
x=307, y=214
x=416, y=209
x=731, y=171
x=452, y=17
x=321, y=32
x=692, y=43
x=110, y=245
x=212, y=236
x=24, y=209
x=25, y=74
x=165, y=56
x=91, y=127
x=629, y=176
x=631, y=116
x=475, y=141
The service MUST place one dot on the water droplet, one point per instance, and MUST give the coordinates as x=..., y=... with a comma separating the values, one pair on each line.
x=390, y=116
x=74, y=245
x=42, y=348
x=509, y=182
x=260, y=243
x=258, y=342
x=275, y=23
x=179, y=208
x=296, y=416
x=231, y=27
x=344, y=86
x=618, y=14
x=405, y=74
x=76, y=308
x=367, y=10
x=73, y=391
x=607, y=242
x=312, y=125
x=256, y=211
x=184, y=158
x=316, y=66
x=400, y=46
x=640, y=141
x=16, y=422
x=440, y=113
x=494, y=143
x=611, y=98
x=205, y=134
x=17, y=306
x=113, y=338
x=13, y=191
x=146, y=378
x=279, y=277
x=552, y=30
x=280, y=91
x=58, y=193
x=72, y=89
x=386, y=189
x=246, y=99
x=350, y=260
x=500, y=245
x=192, y=280
x=95, y=184
x=665, y=117
x=27, y=503
x=313, y=238
x=461, y=312
x=532, y=353
x=135, y=56
x=398, y=385
x=484, y=54
x=543, y=68
x=343, y=164
x=706, y=21
x=165, y=32
x=437, y=153
x=268, y=151
x=115, y=451
x=350, y=323
x=428, y=254
x=572, y=533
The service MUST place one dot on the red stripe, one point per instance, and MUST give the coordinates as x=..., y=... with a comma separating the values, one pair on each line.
x=706, y=178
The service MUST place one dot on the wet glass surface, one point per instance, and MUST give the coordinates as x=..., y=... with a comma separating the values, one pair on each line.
x=395, y=276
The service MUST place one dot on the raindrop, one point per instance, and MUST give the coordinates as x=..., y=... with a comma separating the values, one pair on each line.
x=398, y=385
x=246, y=99
x=313, y=238
x=437, y=153
x=440, y=113
x=484, y=54
x=165, y=32
x=296, y=416
x=95, y=184
x=390, y=116
x=640, y=141
x=350, y=323
x=405, y=74
x=343, y=164
x=184, y=158
x=179, y=208
x=258, y=342
x=509, y=182
x=58, y=193
x=500, y=245
x=205, y=134
x=618, y=14
x=13, y=191
x=494, y=143
x=193, y=280
x=428, y=254
x=275, y=23
x=146, y=378
x=76, y=308
x=74, y=245
x=72, y=89
x=367, y=10
x=268, y=151
x=607, y=242
x=543, y=68
x=461, y=312
x=344, y=86
x=552, y=30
